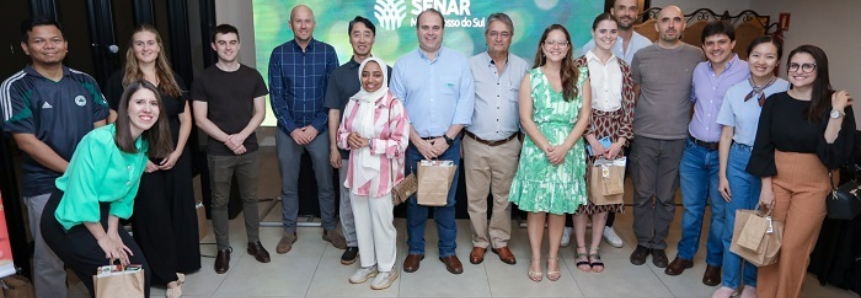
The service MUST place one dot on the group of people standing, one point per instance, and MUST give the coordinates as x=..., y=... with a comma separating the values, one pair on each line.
x=93, y=159
x=522, y=133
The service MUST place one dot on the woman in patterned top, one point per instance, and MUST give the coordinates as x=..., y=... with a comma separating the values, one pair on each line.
x=555, y=103
x=612, y=116
x=375, y=128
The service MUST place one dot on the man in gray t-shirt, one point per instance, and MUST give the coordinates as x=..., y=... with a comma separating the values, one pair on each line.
x=662, y=73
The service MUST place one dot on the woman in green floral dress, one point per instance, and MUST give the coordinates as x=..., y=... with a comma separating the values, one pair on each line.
x=550, y=176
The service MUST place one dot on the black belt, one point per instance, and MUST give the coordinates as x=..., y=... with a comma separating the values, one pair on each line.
x=710, y=146
x=431, y=138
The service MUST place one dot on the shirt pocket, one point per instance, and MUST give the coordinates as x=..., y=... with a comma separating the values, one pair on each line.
x=449, y=88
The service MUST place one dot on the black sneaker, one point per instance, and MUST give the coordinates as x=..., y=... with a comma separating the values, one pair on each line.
x=351, y=254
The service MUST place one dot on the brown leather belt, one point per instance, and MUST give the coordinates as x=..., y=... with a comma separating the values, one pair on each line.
x=490, y=143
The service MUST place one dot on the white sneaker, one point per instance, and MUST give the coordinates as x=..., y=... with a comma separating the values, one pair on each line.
x=363, y=274
x=611, y=237
x=384, y=280
x=566, y=237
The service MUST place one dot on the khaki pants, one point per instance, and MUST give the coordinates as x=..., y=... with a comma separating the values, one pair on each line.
x=489, y=170
x=800, y=188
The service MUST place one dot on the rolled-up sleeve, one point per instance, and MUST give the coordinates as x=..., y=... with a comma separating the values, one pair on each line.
x=466, y=100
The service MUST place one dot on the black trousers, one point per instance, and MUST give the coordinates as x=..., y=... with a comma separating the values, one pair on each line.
x=79, y=250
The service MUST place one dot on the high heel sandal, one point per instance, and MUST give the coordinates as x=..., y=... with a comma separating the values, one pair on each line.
x=176, y=292
x=595, y=261
x=555, y=274
x=582, y=259
x=535, y=276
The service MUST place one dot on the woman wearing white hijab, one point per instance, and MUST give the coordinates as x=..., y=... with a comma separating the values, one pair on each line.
x=375, y=129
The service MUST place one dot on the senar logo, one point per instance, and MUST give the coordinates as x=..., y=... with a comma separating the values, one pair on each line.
x=390, y=13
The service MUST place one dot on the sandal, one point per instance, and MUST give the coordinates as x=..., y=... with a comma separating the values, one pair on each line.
x=582, y=260
x=180, y=279
x=595, y=261
x=553, y=275
x=533, y=275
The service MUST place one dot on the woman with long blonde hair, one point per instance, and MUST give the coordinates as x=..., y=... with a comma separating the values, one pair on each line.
x=165, y=221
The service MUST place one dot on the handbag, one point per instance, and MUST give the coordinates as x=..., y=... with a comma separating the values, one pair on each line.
x=607, y=181
x=406, y=187
x=844, y=201
x=756, y=238
x=118, y=281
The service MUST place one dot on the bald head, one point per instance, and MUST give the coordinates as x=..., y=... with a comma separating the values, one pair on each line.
x=671, y=10
x=302, y=23
x=670, y=25
x=301, y=9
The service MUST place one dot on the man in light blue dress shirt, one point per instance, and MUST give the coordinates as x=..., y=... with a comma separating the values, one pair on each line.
x=436, y=85
x=491, y=146
x=629, y=42
x=699, y=167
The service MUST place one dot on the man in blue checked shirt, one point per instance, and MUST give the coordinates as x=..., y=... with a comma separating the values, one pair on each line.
x=436, y=85
x=298, y=73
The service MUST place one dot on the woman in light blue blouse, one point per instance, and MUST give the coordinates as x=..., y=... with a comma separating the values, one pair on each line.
x=100, y=184
x=739, y=115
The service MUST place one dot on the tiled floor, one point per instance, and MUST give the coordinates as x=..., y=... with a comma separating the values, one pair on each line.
x=313, y=269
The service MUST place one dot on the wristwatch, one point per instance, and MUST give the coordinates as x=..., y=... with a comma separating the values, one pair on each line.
x=835, y=114
x=448, y=140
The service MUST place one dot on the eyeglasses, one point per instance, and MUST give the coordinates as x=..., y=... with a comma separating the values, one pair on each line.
x=561, y=43
x=806, y=67
x=499, y=34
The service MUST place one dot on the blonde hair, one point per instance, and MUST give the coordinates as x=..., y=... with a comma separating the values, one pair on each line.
x=163, y=71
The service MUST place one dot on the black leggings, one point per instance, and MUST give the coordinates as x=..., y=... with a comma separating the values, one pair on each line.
x=79, y=249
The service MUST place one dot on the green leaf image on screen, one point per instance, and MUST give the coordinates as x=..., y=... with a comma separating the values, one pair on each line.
x=396, y=25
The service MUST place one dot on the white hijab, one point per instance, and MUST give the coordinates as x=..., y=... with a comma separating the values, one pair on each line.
x=366, y=166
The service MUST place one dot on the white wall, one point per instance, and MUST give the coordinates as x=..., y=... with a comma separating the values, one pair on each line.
x=718, y=6
x=831, y=25
x=239, y=14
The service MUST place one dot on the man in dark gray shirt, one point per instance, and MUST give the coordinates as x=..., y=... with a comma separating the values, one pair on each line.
x=662, y=74
x=344, y=83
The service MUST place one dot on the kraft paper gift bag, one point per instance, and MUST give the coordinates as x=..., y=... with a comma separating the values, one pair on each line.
x=202, y=229
x=117, y=281
x=607, y=181
x=749, y=226
x=435, y=178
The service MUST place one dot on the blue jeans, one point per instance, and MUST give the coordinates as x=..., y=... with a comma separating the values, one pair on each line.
x=745, y=195
x=698, y=173
x=417, y=214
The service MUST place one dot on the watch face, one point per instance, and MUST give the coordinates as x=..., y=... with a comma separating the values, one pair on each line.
x=835, y=114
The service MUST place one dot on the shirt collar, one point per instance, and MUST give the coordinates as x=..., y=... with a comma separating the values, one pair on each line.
x=489, y=60
x=353, y=64
x=729, y=63
x=425, y=56
x=310, y=44
x=591, y=56
x=32, y=71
